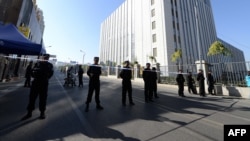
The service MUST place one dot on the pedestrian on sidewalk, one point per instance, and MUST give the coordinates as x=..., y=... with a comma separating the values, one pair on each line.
x=28, y=74
x=201, y=80
x=126, y=75
x=41, y=72
x=190, y=83
x=154, y=82
x=80, y=75
x=180, y=81
x=210, y=82
x=94, y=72
x=147, y=78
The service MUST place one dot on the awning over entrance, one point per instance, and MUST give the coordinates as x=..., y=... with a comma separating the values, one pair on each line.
x=14, y=42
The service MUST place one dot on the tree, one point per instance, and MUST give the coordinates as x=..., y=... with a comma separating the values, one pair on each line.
x=217, y=48
x=152, y=59
x=176, y=55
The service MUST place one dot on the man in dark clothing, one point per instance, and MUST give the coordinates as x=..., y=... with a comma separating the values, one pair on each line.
x=201, y=79
x=126, y=75
x=80, y=73
x=28, y=74
x=180, y=81
x=41, y=72
x=147, y=77
x=94, y=72
x=210, y=82
x=190, y=82
x=154, y=82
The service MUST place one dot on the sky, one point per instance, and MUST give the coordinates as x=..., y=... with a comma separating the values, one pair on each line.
x=74, y=25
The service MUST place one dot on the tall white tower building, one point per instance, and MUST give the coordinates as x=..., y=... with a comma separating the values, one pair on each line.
x=139, y=29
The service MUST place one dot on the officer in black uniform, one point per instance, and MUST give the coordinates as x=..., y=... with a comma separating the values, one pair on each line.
x=210, y=82
x=180, y=81
x=147, y=77
x=94, y=72
x=126, y=75
x=41, y=72
x=28, y=74
x=201, y=79
x=154, y=82
x=80, y=73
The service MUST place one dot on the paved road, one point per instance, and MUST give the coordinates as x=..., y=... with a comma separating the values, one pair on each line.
x=170, y=117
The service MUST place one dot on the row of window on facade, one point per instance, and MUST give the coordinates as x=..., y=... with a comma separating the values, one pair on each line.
x=153, y=2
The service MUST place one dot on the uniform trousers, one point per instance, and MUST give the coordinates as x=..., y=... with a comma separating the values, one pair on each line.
x=94, y=85
x=38, y=88
x=126, y=87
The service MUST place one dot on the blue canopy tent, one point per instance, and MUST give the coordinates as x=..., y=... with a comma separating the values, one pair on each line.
x=14, y=42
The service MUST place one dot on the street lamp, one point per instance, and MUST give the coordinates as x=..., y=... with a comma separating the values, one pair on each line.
x=197, y=30
x=83, y=56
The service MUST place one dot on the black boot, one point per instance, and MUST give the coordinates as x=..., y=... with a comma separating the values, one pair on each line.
x=42, y=115
x=27, y=116
x=99, y=107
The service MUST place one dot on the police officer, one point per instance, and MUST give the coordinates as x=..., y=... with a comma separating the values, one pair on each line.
x=190, y=83
x=41, y=72
x=94, y=72
x=154, y=82
x=80, y=73
x=201, y=79
x=210, y=82
x=147, y=77
x=180, y=81
x=126, y=75
x=28, y=74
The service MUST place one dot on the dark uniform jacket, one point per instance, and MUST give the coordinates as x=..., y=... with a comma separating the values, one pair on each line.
x=126, y=74
x=147, y=75
x=95, y=70
x=180, y=79
x=28, y=71
x=42, y=71
x=210, y=79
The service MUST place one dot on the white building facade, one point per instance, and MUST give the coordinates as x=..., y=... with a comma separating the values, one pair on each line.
x=139, y=29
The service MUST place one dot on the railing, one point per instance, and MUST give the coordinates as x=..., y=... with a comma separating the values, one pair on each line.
x=228, y=74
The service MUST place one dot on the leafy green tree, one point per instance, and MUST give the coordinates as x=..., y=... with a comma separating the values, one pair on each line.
x=176, y=55
x=217, y=48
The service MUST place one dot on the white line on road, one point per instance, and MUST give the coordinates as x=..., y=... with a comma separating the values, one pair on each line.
x=78, y=112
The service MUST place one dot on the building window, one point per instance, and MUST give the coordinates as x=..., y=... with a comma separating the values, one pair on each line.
x=152, y=12
x=154, y=38
x=153, y=25
x=175, y=38
x=152, y=2
x=155, y=52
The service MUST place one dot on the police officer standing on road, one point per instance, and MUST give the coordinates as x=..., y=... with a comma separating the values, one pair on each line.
x=126, y=75
x=201, y=79
x=41, y=72
x=154, y=82
x=210, y=82
x=80, y=73
x=147, y=77
x=94, y=72
x=180, y=81
x=28, y=74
